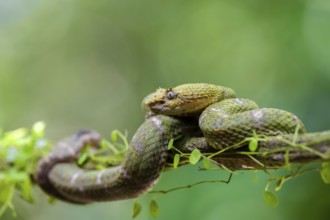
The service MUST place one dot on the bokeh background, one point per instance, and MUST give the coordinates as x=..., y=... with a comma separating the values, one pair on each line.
x=88, y=64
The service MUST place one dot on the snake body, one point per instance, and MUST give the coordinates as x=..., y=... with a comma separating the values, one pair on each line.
x=58, y=176
x=223, y=120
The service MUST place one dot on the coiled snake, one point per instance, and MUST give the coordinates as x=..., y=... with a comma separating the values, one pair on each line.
x=186, y=111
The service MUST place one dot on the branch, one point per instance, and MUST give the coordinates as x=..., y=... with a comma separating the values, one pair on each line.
x=22, y=149
x=272, y=152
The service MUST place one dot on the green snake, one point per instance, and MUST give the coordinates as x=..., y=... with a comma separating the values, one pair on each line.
x=187, y=111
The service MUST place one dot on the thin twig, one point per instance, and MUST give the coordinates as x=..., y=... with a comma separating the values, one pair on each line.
x=192, y=185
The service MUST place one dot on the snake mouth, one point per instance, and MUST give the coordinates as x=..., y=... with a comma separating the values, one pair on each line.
x=159, y=107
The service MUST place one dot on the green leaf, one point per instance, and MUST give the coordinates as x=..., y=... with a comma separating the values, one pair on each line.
x=5, y=192
x=114, y=135
x=325, y=172
x=176, y=160
x=136, y=209
x=14, y=136
x=104, y=144
x=82, y=159
x=206, y=163
x=17, y=176
x=99, y=167
x=170, y=144
x=253, y=145
x=6, y=196
x=26, y=190
x=38, y=129
x=270, y=199
x=195, y=156
x=154, y=208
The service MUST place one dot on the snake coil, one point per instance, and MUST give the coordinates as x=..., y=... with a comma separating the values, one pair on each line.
x=188, y=111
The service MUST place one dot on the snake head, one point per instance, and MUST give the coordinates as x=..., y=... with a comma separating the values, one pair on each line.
x=186, y=99
x=157, y=102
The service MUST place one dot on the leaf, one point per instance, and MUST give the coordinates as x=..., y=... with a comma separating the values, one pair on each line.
x=82, y=159
x=17, y=134
x=104, y=144
x=154, y=208
x=136, y=209
x=6, y=196
x=270, y=199
x=38, y=129
x=176, y=160
x=206, y=163
x=17, y=176
x=99, y=167
x=26, y=190
x=253, y=145
x=170, y=144
x=5, y=193
x=194, y=156
x=114, y=135
x=325, y=172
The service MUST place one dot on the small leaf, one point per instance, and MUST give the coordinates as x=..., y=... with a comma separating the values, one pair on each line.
x=99, y=167
x=206, y=163
x=26, y=190
x=253, y=145
x=82, y=159
x=170, y=144
x=5, y=193
x=17, y=176
x=176, y=160
x=6, y=196
x=104, y=144
x=154, y=208
x=114, y=136
x=195, y=156
x=38, y=129
x=270, y=199
x=136, y=209
x=16, y=134
x=325, y=172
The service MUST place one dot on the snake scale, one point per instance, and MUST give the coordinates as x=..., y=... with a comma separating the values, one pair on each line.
x=186, y=111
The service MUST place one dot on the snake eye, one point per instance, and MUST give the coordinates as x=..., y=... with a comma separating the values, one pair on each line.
x=170, y=95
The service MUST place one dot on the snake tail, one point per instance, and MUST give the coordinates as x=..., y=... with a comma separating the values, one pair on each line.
x=65, y=151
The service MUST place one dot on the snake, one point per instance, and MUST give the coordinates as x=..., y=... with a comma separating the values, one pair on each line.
x=182, y=113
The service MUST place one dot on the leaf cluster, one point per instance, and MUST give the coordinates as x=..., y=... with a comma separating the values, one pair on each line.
x=110, y=152
x=20, y=151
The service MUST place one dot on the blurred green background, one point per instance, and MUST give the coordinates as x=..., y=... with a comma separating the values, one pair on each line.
x=88, y=64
